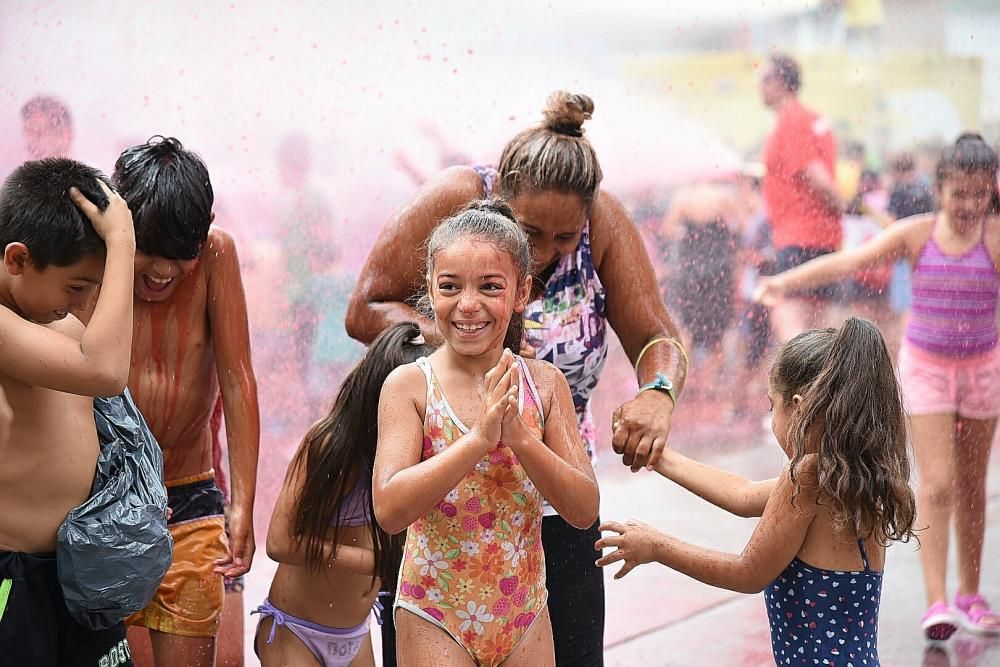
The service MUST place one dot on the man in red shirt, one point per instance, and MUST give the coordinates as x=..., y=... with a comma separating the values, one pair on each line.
x=800, y=194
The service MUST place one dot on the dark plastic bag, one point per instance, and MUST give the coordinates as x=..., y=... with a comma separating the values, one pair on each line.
x=113, y=550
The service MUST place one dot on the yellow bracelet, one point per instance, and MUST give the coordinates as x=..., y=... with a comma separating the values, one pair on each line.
x=669, y=340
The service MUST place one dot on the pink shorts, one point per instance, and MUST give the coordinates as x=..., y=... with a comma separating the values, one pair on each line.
x=933, y=384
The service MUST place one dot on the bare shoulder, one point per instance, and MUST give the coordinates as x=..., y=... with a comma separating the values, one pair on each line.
x=608, y=220
x=915, y=231
x=220, y=244
x=445, y=193
x=547, y=379
x=406, y=381
x=991, y=237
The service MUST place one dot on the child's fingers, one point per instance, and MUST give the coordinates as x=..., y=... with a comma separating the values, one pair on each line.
x=88, y=207
x=659, y=444
x=642, y=451
x=612, y=526
x=501, y=388
x=609, y=541
x=626, y=568
x=610, y=558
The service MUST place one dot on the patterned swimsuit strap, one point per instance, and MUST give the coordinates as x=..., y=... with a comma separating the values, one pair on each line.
x=864, y=554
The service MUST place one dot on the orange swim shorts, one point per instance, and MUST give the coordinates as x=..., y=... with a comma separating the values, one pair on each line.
x=189, y=601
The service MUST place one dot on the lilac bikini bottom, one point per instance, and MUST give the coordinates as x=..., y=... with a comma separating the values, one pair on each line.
x=333, y=647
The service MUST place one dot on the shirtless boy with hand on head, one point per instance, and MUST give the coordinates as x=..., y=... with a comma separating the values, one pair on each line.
x=190, y=340
x=58, y=246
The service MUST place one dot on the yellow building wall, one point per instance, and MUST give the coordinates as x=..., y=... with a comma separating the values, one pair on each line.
x=721, y=90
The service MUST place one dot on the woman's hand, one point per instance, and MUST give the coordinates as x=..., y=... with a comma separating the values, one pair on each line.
x=498, y=390
x=640, y=429
x=636, y=543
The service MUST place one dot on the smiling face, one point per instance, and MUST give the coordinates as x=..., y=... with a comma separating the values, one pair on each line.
x=50, y=294
x=553, y=221
x=156, y=278
x=966, y=196
x=475, y=291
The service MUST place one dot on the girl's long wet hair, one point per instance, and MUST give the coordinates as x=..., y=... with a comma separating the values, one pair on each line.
x=338, y=452
x=492, y=221
x=970, y=153
x=851, y=414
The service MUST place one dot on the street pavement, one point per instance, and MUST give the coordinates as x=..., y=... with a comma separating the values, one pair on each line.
x=657, y=617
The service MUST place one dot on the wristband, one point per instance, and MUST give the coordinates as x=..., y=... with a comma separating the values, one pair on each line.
x=661, y=383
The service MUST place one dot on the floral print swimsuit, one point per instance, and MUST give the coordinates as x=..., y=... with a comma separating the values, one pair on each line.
x=473, y=565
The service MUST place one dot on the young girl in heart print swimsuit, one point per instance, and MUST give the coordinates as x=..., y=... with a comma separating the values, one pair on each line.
x=819, y=548
x=472, y=583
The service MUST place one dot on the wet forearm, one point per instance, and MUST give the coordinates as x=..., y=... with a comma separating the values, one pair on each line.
x=367, y=320
x=570, y=489
x=239, y=397
x=412, y=492
x=344, y=557
x=726, y=490
x=715, y=568
x=667, y=355
x=106, y=343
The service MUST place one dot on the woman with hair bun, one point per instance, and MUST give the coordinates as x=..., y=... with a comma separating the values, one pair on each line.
x=590, y=269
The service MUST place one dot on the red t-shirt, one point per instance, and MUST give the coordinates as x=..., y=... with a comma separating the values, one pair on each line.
x=798, y=218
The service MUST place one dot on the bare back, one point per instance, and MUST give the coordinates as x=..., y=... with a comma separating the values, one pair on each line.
x=49, y=462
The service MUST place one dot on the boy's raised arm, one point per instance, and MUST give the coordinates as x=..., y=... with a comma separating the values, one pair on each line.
x=97, y=364
x=227, y=314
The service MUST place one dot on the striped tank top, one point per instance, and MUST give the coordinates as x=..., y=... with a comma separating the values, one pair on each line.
x=954, y=311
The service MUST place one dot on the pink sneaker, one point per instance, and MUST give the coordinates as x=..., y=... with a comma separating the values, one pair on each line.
x=975, y=615
x=939, y=622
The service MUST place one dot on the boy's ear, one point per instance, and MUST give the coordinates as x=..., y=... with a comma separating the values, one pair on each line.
x=16, y=256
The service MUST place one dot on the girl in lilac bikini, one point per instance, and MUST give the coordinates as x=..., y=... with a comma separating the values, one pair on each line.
x=332, y=556
x=819, y=548
x=949, y=366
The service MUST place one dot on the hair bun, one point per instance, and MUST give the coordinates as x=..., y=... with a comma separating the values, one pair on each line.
x=496, y=205
x=565, y=112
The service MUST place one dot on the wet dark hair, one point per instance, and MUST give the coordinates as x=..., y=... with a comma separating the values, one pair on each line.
x=852, y=412
x=787, y=69
x=170, y=195
x=969, y=153
x=554, y=155
x=49, y=106
x=493, y=221
x=35, y=209
x=338, y=452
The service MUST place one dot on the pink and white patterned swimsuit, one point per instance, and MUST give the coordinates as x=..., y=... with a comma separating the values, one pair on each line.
x=474, y=565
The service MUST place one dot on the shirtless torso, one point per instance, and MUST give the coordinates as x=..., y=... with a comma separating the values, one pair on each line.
x=49, y=460
x=179, y=347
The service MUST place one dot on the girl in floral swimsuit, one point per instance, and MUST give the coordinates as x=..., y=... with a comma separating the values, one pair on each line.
x=592, y=275
x=472, y=582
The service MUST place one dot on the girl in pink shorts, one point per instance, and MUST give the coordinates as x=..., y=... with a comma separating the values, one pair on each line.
x=949, y=366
